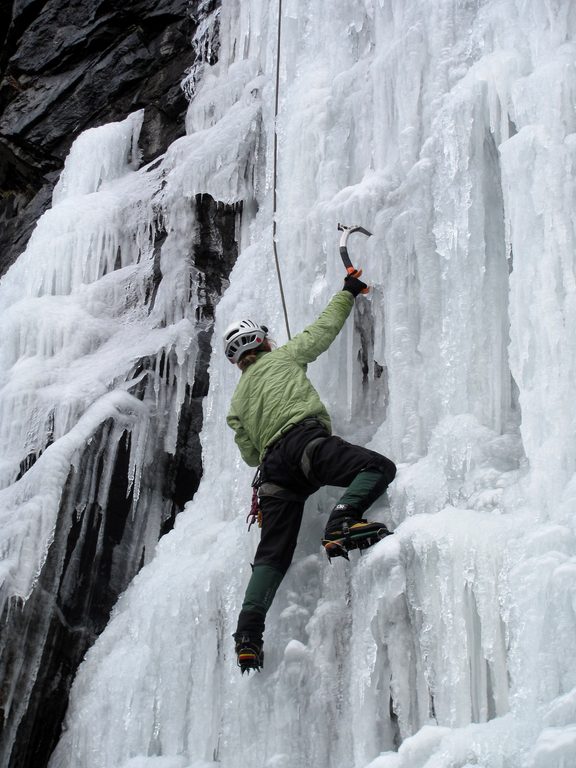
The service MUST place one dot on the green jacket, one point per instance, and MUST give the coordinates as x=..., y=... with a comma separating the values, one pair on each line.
x=274, y=392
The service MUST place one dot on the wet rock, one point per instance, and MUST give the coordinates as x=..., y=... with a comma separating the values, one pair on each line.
x=70, y=65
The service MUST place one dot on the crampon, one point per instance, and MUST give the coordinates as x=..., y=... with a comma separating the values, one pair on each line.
x=249, y=655
x=353, y=535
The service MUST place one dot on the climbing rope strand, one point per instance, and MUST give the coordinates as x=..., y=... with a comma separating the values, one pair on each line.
x=275, y=168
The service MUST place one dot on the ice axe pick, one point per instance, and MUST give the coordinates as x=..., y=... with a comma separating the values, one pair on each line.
x=346, y=232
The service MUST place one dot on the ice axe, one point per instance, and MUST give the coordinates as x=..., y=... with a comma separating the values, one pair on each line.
x=346, y=232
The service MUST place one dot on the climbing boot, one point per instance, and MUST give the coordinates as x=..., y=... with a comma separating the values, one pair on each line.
x=350, y=533
x=249, y=653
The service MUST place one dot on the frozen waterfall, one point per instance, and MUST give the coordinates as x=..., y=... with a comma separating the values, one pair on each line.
x=448, y=129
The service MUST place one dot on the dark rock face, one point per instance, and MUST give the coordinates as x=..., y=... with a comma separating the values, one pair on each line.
x=67, y=65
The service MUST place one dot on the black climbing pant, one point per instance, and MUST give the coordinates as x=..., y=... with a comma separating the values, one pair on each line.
x=295, y=466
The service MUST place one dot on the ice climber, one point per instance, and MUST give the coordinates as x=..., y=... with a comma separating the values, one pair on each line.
x=283, y=428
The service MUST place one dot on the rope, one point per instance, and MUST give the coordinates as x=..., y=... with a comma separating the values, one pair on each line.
x=275, y=166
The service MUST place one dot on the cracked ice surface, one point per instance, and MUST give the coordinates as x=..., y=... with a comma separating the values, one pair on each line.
x=447, y=129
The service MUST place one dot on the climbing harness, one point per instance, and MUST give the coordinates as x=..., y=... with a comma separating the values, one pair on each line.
x=268, y=490
x=262, y=488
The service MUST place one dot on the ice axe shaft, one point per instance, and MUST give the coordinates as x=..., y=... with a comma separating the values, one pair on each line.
x=346, y=232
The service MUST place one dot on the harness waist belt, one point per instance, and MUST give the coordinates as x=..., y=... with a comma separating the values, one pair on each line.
x=278, y=491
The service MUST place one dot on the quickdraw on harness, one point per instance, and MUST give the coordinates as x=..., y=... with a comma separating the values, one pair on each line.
x=255, y=514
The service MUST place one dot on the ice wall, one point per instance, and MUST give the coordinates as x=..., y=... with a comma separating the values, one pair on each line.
x=447, y=129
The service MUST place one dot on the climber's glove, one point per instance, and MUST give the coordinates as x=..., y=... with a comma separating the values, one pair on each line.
x=353, y=284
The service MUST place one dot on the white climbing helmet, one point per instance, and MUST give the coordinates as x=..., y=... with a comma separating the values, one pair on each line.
x=241, y=336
